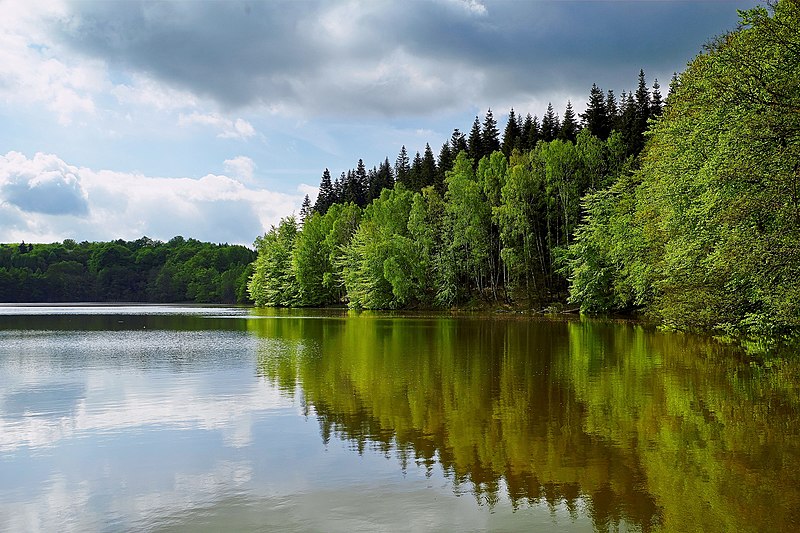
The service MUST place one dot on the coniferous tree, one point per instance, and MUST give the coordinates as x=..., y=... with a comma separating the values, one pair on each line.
x=338, y=190
x=550, y=124
x=595, y=118
x=402, y=167
x=612, y=110
x=511, y=134
x=383, y=179
x=351, y=188
x=674, y=84
x=569, y=126
x=490, y=137
x=629, y=123
x=444, y=164
x=372, y=180
x=325, y=197
x=458, y=143
x=475, y=142
x=305, y=209
x=642, y=100
x=362, y=183
x=535, y=133
x=525, y=134
x=428, y=171
x=656, y=103
x=415, y=176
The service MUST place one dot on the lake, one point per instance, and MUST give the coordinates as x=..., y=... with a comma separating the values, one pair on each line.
x=172, y=418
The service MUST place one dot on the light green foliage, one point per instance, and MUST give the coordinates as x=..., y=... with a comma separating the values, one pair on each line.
x=491, y=173
x=711, y=239
x=273, y=282
x=380, y=263
x=426, y=229
x=311, y=258
x=523, y=232
x=468, y=226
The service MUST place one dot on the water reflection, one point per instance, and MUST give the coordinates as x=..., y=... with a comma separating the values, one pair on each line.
x=657, y=431
x=208, y=418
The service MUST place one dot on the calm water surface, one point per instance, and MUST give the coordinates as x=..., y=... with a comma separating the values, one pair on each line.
x=189, y=419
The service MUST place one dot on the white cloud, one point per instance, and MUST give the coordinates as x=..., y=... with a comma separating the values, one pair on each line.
x=31, y=71
x=144, y=91
x=229, y=129
x=241, y=167
x=309, y=190
x=125, y=205
x=471, y=6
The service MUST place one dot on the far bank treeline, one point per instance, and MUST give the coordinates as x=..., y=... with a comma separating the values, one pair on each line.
x=144, y=270
x=689, y=212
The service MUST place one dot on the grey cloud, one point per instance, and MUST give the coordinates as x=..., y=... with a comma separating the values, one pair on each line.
x=52, y=193
x=279, y=53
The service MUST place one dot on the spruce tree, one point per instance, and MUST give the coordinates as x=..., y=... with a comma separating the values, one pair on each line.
x=385, y=176
x=511, y=134
x=550, y=124
x=444, y=163
x=362, y=182
x=656, y=104
x=569, y=126
x=674, y=83
x=474, y=142
x=612, y=111
x=629, y=124
x=490, y=137
x=458, y=143
x=305, y=209
x=642, y=103
x=535, y=133
x=337, y=197
x=325, y=198
x=402, y=167
x=351, y=188
x=525, y=133
x=428, y=173
x=595, y=118
x=415, y=176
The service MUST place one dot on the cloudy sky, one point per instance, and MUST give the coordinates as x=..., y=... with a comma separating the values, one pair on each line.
x=212, y=120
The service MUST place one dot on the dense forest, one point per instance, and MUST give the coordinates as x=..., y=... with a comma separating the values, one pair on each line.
x=181, y=270
x=686, y=209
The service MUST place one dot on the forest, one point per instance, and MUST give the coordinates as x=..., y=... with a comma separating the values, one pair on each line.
x=144, y=270
x=685, y=210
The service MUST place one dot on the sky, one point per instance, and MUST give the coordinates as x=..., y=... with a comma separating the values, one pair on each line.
x=213, y=119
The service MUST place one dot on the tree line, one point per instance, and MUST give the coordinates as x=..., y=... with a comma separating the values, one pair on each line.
x=144, y=270
x=486, y=221
x=684, y=209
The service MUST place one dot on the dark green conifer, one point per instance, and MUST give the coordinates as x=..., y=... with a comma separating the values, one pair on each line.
x=415, y=176
x=612, y=110
x=402, y=167
x=569, y=126
x=490, y=137
x=511, y=134
x=444, y=163
x=428, y=172
x=550, y=124
x=475, y=142
x=656, y=104
x=305, y=209
x=325, y=198
x=458, y=143
x=595, y=118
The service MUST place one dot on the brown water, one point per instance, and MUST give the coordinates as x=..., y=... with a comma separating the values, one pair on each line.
x=184, y=418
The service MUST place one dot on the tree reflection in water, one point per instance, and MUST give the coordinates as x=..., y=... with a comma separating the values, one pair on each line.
x=652, y=429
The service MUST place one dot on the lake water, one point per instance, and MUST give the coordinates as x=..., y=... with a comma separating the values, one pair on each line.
x=154, y=418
